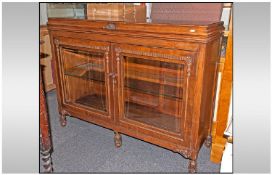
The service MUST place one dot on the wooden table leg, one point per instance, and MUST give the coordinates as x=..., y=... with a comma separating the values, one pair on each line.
x=47, y=161
x=117, y=139
x=46, y=146
x=192, y=168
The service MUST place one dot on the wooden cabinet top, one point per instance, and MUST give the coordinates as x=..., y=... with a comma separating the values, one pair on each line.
x=202, y=30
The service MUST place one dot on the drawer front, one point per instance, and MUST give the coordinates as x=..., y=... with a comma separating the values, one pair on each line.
x=152, y=85
x=83, y=69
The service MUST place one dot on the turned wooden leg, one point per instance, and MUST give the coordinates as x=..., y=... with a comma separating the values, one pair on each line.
x=192, y=166
x=208, y=141
x=117, y=140
x=47, y=162
x=63, y=115
x=63, y=120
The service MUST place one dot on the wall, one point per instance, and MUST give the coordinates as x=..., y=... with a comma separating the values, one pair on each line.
x=43, y=13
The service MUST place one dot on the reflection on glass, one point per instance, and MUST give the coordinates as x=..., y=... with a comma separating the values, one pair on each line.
x=153, y=92
x=85, y=78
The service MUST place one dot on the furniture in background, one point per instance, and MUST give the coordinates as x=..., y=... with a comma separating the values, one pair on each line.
x=65, y=10
x=46, y=54
x=187, y=11
x=46, y=145
x=117, y=11
x=224, y=100
x=152, y=81
x=226, y=163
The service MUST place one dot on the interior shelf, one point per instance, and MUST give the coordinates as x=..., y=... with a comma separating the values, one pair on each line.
x=154, y=71
x=154, y=78
x=153, y=89
x=93, y=75
x=83, y=68
x=136, y=112
x=150, y=69
x=95, y=56
x=139, y=86
x=151, y=116
x=94, y=101
x=98, y=75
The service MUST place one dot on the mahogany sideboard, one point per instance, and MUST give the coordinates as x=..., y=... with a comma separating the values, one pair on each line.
x=154, y=81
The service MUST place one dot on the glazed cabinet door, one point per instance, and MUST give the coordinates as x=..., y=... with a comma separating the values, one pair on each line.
x=83, y=68
x=152, y=89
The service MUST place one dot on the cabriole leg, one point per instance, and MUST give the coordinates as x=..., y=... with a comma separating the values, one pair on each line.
x=63, y=120
x=117, y=140
x=208, y=141
x=192, y=168
x=63, y=115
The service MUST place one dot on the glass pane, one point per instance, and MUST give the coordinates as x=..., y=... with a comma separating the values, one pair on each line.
x=85, y=78
x=153, y=92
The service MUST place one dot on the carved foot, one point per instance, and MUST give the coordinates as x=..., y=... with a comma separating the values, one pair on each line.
x=63, y=120
x=47, y=162
x=192, y=166
x=63, y=115
x=208, y=141
x=117, y=140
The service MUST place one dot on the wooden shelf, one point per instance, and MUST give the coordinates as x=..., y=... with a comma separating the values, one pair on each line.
x=154, y=71
x=93, y=71
x=94, y=101
x=153, y=89
x=95, y=74
x=82, y=69
x=88, y=55
x=132, y=82
x=150, y=69
x=136, y=112
x=137, y=77
x=152, y=117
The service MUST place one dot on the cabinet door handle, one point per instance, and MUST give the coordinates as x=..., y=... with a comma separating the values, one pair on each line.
x=110, y=26
x=113, y=76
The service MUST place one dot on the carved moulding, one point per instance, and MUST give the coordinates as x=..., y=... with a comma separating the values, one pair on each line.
x=184, y=152
x=57, y=42
x=187, y=59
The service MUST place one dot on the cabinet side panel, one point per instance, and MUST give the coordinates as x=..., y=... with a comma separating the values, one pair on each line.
x=195, y=93
x=208, y=89
x=56, y=71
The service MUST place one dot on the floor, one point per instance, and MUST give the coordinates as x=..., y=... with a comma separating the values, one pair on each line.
x=81, y=147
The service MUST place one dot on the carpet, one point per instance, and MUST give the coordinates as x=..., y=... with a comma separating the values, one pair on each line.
x=81, y=147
